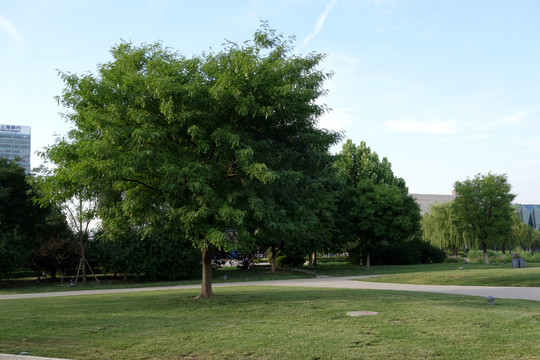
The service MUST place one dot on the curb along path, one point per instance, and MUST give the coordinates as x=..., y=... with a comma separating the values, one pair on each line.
x=348, y=282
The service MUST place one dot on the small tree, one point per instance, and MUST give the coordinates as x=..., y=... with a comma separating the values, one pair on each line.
x=484, y=204
x=56, y=249
x=75, y=196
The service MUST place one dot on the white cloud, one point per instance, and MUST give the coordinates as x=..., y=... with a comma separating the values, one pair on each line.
x=320, y=22
x=338, y=119
x=424, y=127
x=10, y=29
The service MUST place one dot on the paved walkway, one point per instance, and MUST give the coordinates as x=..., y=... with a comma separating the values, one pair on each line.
x=347, y=282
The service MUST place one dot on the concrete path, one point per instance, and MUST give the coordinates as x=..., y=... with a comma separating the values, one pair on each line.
x=348, y=282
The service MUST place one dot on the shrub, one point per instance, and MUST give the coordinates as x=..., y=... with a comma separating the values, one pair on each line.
x=428, y=252
x=476, y=256
x=160, y=256
x=403, y=253
x=454, y=259
x=288, y=260
x=533, y=257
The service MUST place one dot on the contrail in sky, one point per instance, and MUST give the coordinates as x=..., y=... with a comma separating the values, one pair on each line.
x=320, y=22
x=8, y=27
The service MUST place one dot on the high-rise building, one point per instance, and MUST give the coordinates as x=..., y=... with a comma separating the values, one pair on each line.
x=15, y=144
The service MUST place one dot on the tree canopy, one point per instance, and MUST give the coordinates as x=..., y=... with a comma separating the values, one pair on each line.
x=220, y=145
x=356, y=163
x=484, y=204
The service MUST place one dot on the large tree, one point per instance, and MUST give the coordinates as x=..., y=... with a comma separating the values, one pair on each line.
x=484, y=204
x=213, y=143
x=375, y=205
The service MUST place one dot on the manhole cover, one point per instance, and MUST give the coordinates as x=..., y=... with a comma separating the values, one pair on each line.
x=362, y=313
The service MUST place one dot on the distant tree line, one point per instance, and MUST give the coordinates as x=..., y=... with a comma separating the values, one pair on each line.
x=481, y=217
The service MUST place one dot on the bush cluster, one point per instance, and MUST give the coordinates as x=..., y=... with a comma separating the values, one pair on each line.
x=403, y=253
x=158, y=257
x=289, y=260
x=477, y=256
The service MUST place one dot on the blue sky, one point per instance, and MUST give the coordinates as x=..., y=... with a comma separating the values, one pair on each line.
x=443, y=89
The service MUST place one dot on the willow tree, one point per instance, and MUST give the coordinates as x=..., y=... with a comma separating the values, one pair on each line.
x=205, y=142
x=522, y=235
x=442, y=228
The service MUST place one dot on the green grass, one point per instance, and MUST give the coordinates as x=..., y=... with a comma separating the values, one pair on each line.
x=441, y=274
x=271, y=323
x=258, y=273
x=340, y=268
x=471, y=276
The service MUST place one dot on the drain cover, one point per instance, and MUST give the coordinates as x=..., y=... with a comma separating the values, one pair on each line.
x=362, y=313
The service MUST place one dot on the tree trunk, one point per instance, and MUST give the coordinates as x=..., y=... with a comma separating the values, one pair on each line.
x=311, y=260
x=368, y=260
x=83, y=259
x=484, y=249
x=315, y=258
x=273, y=252
x=206, y=285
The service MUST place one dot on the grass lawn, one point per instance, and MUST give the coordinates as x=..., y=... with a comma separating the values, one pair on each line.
x=29, y=285
x=429, y=274
x=271, y=323
x=468, y=276
x=342, y=268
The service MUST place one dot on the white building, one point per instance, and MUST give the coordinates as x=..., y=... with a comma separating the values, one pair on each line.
x=425, y=200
